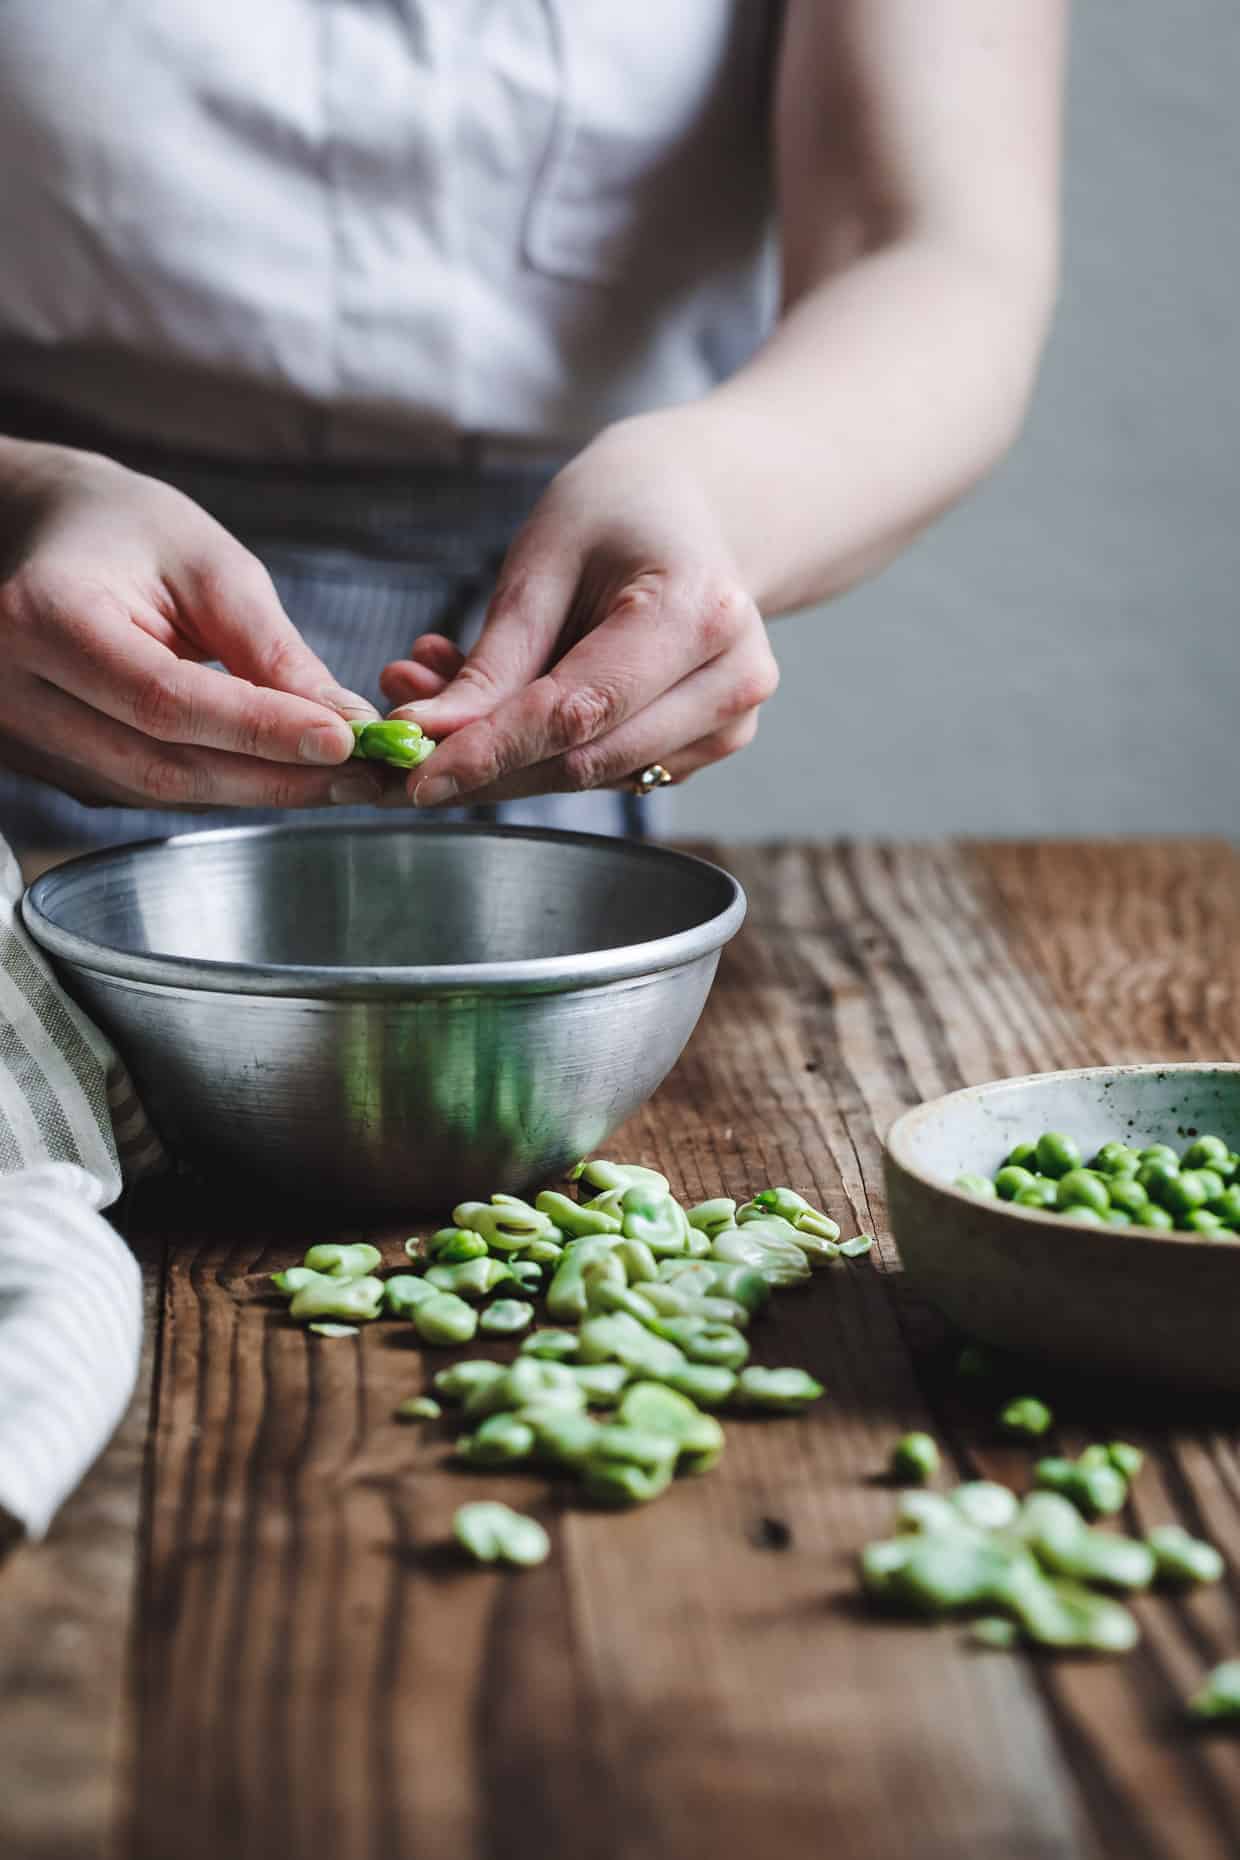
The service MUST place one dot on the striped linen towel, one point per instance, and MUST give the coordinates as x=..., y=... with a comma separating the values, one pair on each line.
x=72, y=1132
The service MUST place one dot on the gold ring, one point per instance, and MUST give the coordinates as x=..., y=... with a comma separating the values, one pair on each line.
x=656, y=776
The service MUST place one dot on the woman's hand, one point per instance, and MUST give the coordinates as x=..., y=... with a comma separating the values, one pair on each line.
x=114, y=591
x=619, y=635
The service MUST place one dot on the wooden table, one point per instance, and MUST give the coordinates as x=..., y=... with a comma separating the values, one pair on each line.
x=244, y=1638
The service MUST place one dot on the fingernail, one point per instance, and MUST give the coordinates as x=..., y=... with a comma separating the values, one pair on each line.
x=435, y=790
x=353, y=790
x=349, y=703
x=323, y=742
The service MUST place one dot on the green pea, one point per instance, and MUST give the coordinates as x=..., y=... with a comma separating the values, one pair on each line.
x=1021, y=1156
x=1057, y=1154
x=1116, y=1159
x=652, y=1409
x=1227, y=1207
x=1206, y=1153
x=857, y=1247
x=1081, y=1188
x=1089, y=1217
x=1201, y=1221
x=491, y=1533
x=460, y=1381
x=1219, y=1698
x=777, y=1391
x=473, y=1278
x=1156, y=1178
x=1128, y=1194
x=1117, y=1217
x=500, y=1438
x=333, y=1330
x=914, y=1459
x=417, y=1408
x=711, y=1217
x=1181, y=1560
x=1042, y=1193
x=601, y=1383
x=1154, y=1216
x=720, y=1346
x=343, y=1262
x=404, y=1292
x=979, y=1185
x=1160, y=1153
x=1026, y=1418
x=399, y=743
x=706, y=1386
x=985, y=1505
x=352, y=1301
x=451, y=1245
x=556, y=1346
x=445, y=1320
x=1209, y=1179
x=506, y=1317
x=1011, y=1179
x=628, y=1465
x=573, y=1217
x=293, y=1278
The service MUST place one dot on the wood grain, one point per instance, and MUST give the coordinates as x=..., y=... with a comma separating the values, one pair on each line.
x=311, y=1673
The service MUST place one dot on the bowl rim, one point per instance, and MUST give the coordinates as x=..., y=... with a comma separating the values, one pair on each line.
x=896, y=1139
x=531, y=975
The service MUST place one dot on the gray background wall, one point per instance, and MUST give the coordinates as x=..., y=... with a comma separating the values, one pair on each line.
x=1060, y=654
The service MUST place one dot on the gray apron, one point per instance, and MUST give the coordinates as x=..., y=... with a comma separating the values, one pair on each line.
x=364, y=560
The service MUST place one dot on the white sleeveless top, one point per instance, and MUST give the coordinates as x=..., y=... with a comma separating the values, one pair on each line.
x=320, y=228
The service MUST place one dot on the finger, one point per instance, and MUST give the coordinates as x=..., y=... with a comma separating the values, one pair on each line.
x=525, y=618
x=405, y=682
x=654, y=638
x=59, y=726
x=231, y=605
x=118, y=668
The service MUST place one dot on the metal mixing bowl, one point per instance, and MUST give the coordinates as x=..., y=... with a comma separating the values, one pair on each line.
x=392, y=1017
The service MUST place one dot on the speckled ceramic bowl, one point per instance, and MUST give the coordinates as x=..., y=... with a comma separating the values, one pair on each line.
x=1132, y=1301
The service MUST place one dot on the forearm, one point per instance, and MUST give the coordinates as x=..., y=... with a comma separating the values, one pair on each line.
x=884, y=394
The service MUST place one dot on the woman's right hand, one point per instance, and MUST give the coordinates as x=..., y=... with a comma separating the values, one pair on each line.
x=115, y=590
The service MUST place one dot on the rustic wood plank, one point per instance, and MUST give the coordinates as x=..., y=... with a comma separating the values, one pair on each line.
x=66, y=1615
x=313, y=1673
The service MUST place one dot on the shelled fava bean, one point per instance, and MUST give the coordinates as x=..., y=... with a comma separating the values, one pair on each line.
x=1197, y=1191
x=1037, y=1571
x=651, y=1305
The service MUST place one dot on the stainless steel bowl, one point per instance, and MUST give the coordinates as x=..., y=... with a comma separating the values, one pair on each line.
x=392, y=1017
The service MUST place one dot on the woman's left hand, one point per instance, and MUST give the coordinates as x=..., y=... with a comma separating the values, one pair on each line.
x=619, y=635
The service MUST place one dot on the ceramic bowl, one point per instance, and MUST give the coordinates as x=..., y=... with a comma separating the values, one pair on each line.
x=1131, y=1302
